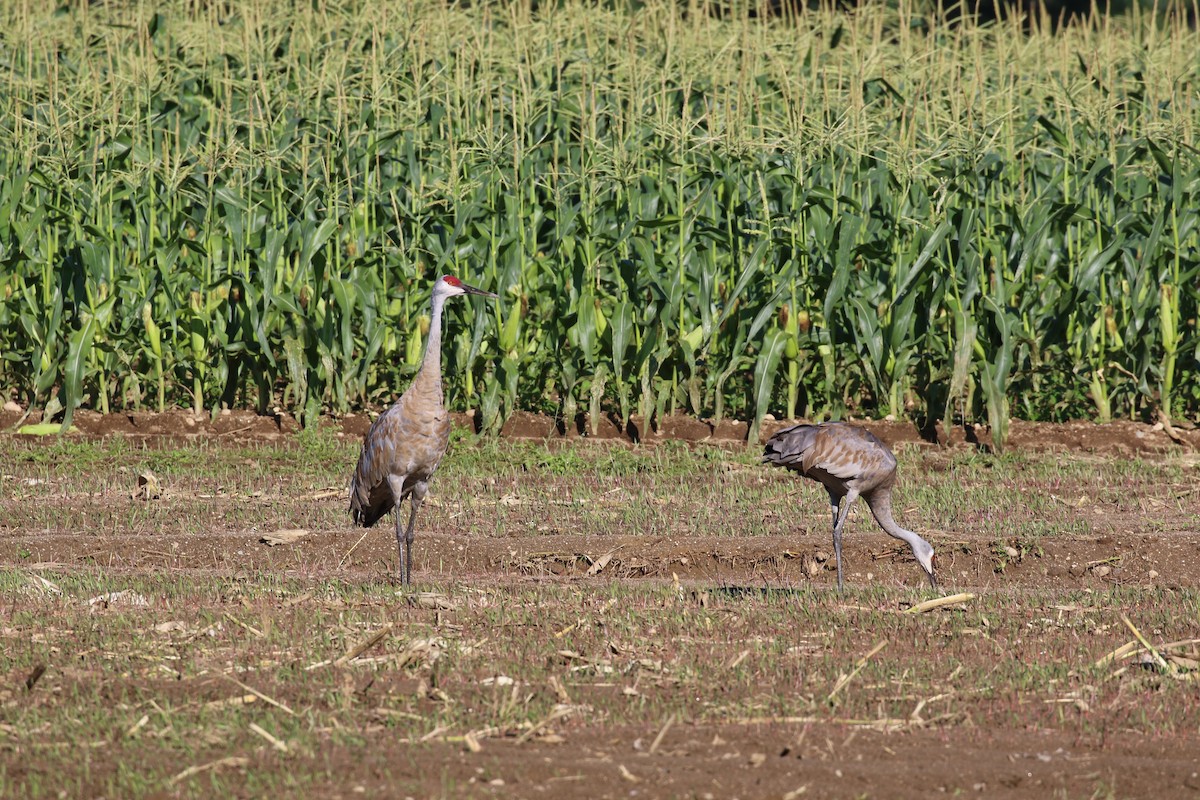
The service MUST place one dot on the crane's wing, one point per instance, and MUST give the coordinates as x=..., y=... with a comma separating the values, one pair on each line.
x=370, y=493
x=837, y=449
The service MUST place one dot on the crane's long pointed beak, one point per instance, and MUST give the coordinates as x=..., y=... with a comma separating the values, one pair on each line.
x=933, y=581
x=472, y=290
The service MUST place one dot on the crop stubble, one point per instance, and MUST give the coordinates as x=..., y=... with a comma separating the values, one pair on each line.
x=590, y=621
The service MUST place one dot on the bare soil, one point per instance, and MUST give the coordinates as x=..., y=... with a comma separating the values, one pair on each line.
x=1121, y=740
x=771, y=760
x=775, y=561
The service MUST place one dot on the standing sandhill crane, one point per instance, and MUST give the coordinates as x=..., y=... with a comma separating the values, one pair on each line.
x=849, y=461
x=404, y=445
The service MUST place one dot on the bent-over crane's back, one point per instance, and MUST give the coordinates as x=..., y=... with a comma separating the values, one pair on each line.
x=850, y=462
x=406, y=443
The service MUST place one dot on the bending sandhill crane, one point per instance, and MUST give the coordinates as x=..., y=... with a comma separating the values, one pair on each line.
x=849, y=461
x=404, y=445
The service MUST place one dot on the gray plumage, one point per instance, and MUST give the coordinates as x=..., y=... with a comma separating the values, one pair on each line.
x=406, y=443
x=849, y=462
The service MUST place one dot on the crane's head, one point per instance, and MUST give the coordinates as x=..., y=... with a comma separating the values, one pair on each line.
x=450, y=286
x=923, y=551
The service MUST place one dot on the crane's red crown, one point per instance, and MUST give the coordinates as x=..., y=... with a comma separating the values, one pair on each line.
x=453, y=281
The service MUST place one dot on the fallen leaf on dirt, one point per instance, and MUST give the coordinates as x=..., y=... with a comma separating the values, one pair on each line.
x=261, y=696
x=600, y=563
x=240, y=700
x=498, y=680
x=298, y=599
x=845, y=678
x=42, y=585
x=137, y=726
x=170, y=627
x=627, y=775
x=148, y=486
x=277, y=743
x=283, y=536
x=121, y=598
x=1182, y=663
x=560, y=691
x=662, y=733
x=365, y=645
x=741, y=657
x=231, y=761
x=434, y=600
x=560, y=711
x=1078, y=702
x=938, y=602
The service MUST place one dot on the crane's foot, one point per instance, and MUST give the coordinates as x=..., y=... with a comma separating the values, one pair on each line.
x=397, y=578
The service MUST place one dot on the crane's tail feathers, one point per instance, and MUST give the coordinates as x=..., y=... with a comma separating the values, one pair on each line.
x=363, y=511
x=366, y=517
x=788, y=447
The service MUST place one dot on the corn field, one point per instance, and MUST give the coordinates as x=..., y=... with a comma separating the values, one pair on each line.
x=209, y=205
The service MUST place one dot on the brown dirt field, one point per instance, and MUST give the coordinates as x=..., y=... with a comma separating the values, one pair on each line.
x=704, y=575
x=771, y=760
x=775, y=561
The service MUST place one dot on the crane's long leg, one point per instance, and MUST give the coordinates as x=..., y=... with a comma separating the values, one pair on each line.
x=404, y=542
x=834, y=500
x=401, y=569
x=839, y=522
x=414, y=500
x=396, y=482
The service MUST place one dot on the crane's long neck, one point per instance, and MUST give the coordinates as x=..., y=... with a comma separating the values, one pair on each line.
x=430, y=375
x=881, y=507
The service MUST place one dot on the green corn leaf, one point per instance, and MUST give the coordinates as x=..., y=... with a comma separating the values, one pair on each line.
x=765, y=369
x=918, y=266
x=621, y=325
x=78, y=350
